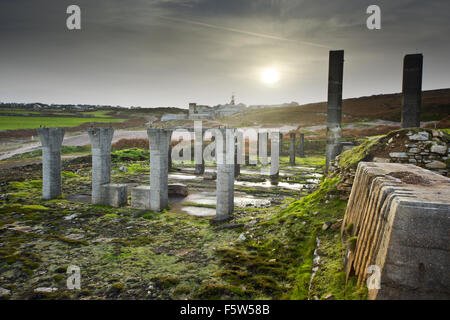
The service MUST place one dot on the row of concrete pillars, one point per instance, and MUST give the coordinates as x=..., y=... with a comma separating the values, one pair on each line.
x=229, y=154
x=411, y=98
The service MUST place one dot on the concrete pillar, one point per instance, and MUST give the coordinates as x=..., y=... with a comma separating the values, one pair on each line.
x=274, y=156
x=51, y=140
x=262, y=147
x=292, y=150
x=169, y=154
x=334, y=112
x=159, y=194
x=198, y=151
x=302, y=145
x=101, y=161
x=240, y=149
x=237, y=156
x=412, y=90
x=225, y=177
x=280, y=144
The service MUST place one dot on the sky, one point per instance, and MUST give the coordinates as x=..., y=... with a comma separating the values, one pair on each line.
x=167, y=53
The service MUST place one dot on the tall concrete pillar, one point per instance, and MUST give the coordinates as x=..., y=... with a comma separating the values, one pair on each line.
x=159, y=195
x=198, y=151
x=302, y=145
x=412, y=90
x=334, y=112
x=274, y=156
x=51, y=140
x=280, y=144
x=237, y=154
x=169, y=154
x=225, y=177
x=262, y=147
x=101, y=161
x=292, y=150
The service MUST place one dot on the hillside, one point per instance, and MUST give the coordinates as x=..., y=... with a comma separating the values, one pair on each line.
x=435, y=107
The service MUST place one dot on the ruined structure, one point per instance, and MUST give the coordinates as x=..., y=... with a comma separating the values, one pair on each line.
x=274, y=156
x=412, y=90
x=51, y=140
x=159, y=144
x=292, y=150
x=102, y=191
x=334, y=112
x=225, y=176
x=397, y=222
x=301, y=145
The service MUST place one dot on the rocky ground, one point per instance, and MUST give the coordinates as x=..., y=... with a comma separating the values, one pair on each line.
x=263, y=252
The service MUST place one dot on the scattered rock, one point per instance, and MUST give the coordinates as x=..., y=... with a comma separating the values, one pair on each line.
x=72, y=216
x=436, y=165
x=4, y=292
x=75, y=236
x=45, y=290
x=242, y=237
x=328, y=296
x=123, y=169
x=326, y=225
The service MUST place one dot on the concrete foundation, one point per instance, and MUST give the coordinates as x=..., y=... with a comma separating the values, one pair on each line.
x=397, y=219
x=292, y=150
x=225, y=178
x=412, y=90
x=158, y=141
x=301, y=145
x=51, y=140
x=114, y=195
x=274, y=156
x=334, y=112
x=101, y=161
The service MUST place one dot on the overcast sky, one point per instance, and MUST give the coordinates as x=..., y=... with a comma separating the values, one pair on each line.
x=172, y=52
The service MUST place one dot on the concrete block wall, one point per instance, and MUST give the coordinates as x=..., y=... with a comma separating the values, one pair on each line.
x=398, y=218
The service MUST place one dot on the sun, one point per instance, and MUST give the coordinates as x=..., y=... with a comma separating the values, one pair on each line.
x=270, y=76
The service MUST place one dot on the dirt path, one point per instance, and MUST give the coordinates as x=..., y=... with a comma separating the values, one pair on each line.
x=77, y=140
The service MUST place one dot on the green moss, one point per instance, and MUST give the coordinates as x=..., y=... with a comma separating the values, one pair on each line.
x=69, y=174
x=351, y=158
x=216, y=291
x=165, y=281
x=351, y=243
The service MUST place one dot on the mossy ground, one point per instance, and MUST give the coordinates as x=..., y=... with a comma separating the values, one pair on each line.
x=166, y=255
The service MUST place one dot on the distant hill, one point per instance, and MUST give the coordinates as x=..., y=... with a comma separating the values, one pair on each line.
x=435, y=106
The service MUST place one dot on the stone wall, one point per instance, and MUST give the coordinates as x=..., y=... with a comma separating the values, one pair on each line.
x=426, y=148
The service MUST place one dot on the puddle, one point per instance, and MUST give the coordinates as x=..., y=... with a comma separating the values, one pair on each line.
x=267, y=184
x=198, y=211
x=181, y=176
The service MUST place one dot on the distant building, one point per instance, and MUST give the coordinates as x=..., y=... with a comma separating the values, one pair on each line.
x=201, y=112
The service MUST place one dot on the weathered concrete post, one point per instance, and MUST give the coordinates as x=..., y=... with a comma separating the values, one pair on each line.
x=292, y=150
x=225, y=176
x=302, y=145
x=51, y=140
x=237, y=153
x=198, y=151
x=281, y=144
x=412, y=90
x=274, y=157
x=159, y=194
x=334, y=112
x=101, y=161
x=262, y=147
x=169, y=154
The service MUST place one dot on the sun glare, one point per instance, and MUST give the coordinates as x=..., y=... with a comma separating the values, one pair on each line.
x=270, y=76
